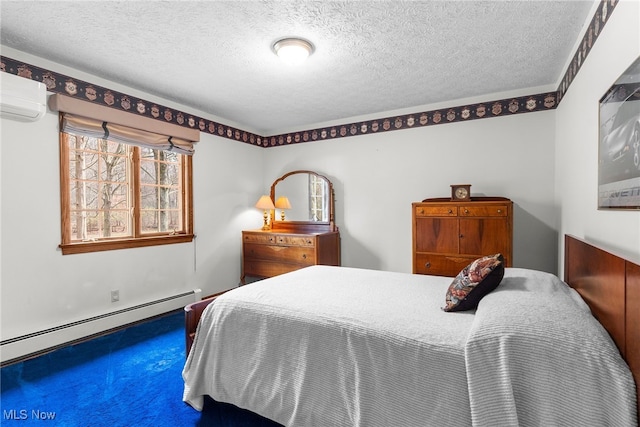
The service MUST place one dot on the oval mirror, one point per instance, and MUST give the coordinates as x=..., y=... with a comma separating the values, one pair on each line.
x=310, y=196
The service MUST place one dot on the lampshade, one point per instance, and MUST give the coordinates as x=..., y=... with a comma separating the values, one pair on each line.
x=293, y=51
x=283, y=203
x=265, y=203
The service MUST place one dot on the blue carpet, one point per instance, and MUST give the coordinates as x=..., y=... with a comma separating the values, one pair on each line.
x=132, y=377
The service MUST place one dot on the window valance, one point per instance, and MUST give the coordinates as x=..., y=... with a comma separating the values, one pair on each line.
x=103, y=122
x=78, y=125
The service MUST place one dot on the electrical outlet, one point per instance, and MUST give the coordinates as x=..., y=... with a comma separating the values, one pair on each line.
x=115, y=296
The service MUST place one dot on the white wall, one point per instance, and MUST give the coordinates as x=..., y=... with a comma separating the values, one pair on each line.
x=377, y=177
x=577, y=139
x=41, y=288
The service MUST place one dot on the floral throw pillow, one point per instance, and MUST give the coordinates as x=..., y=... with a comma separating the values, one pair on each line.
x=474, y=282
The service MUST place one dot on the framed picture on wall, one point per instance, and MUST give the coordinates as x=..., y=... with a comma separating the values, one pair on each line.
x=619, y=152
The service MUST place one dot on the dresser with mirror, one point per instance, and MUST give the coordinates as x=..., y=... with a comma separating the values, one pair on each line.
x=301, y=232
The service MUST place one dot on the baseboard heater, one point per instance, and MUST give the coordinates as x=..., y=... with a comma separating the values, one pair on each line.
x=34, y=344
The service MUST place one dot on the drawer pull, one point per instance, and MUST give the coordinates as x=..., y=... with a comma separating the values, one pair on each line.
x=499, y=210
x=450, y=211
x=304, y=256
x=466, y=211
x=422, y=211
x=308, y=242
x=427, y=265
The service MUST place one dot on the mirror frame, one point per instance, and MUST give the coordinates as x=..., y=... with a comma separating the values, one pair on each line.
x=330, y=224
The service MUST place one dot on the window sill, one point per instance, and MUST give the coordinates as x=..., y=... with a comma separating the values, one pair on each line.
x=110, y=245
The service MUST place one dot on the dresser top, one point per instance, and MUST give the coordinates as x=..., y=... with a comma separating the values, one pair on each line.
x=289, y=232
x=473, y=199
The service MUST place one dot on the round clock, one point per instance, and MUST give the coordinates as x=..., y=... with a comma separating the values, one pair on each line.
x=461, y=192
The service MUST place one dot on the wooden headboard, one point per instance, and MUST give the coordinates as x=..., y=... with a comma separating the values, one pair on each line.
x=610, y=285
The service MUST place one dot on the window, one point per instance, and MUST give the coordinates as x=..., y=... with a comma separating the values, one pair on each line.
x=117, y=195
x=318, y=199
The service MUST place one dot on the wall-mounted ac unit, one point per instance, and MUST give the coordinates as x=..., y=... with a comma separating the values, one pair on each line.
x=22, y=99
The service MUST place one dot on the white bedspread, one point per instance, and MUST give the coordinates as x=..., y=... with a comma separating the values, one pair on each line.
x=353, y=347
x=347, y=347
x=537, y=357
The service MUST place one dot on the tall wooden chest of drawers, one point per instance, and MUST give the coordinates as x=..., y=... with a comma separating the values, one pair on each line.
x=448, y=235
x=270, y=253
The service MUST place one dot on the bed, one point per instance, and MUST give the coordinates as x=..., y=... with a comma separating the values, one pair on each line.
x=336, y=346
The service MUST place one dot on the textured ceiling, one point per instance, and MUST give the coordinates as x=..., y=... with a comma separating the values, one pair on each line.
x=370, y=56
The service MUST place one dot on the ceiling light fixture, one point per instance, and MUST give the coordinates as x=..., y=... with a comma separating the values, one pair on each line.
x=293, y=51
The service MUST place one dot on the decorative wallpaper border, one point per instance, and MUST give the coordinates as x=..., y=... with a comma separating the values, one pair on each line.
x=481, y=110
x=66, y=85
x=598, y=21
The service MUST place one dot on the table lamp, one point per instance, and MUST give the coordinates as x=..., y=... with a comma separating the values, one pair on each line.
x=265, y=203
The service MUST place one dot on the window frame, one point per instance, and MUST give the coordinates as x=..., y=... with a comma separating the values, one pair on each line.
x=137, y=240
x=318, y=200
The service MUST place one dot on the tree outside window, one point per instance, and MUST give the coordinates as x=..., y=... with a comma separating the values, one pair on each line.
x=116, y=195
